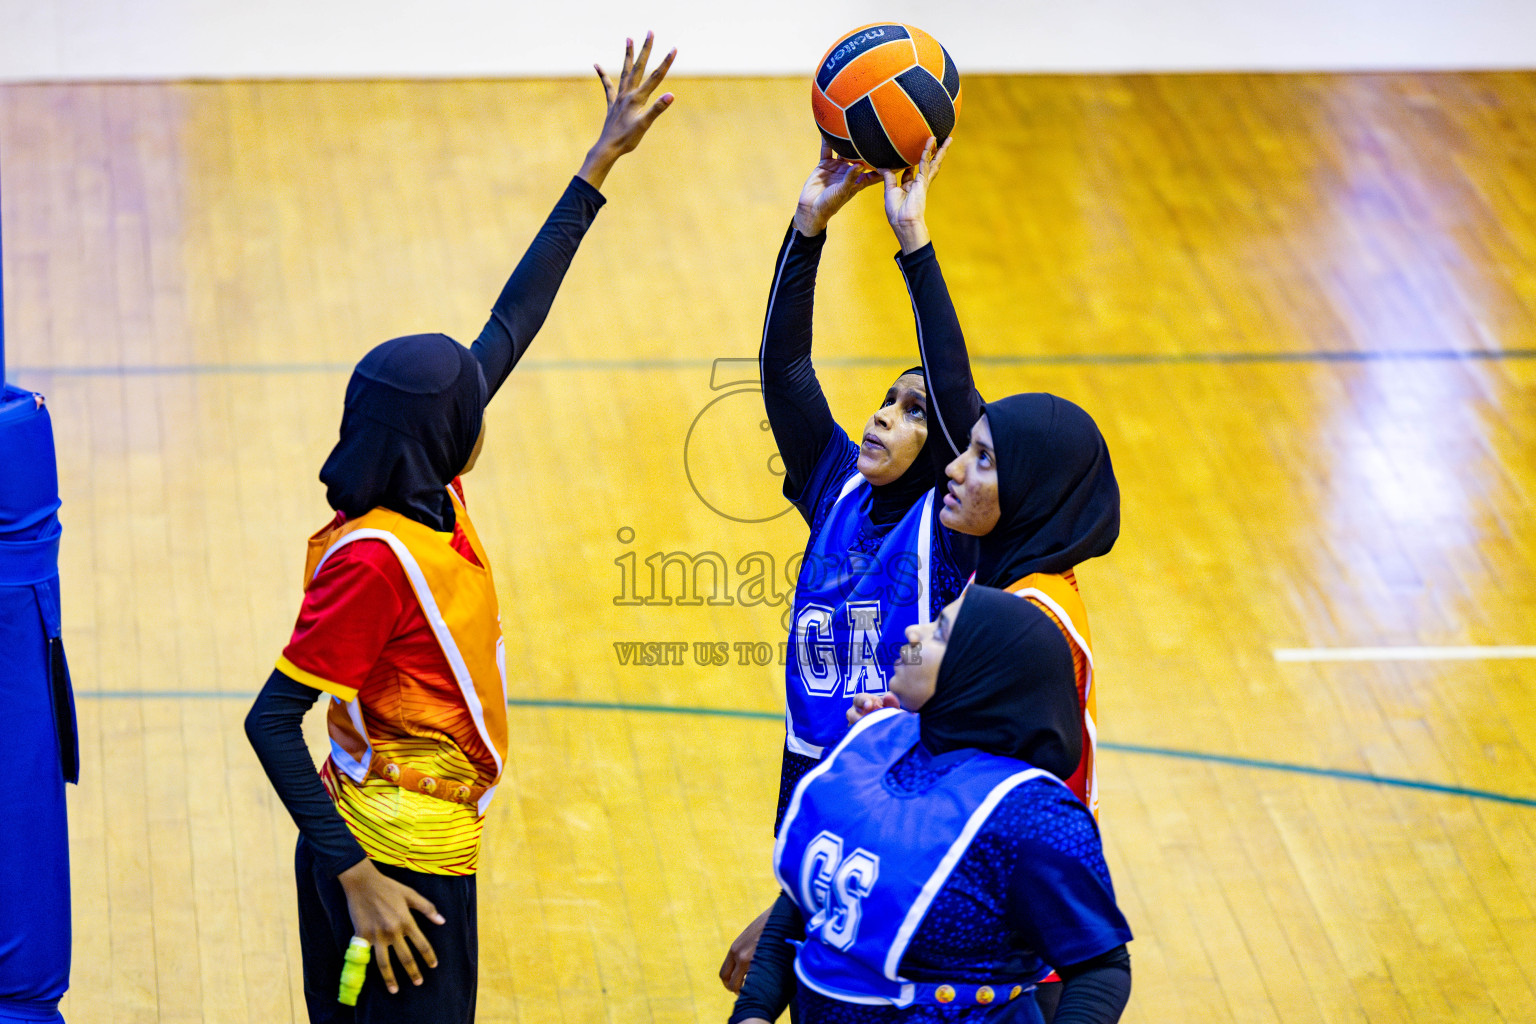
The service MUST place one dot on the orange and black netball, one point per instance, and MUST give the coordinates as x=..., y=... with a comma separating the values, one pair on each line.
x=881, y=91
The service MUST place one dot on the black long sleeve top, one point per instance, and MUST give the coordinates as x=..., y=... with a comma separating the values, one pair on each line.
x=525, y=299
x=274, y=725
x=798, y=412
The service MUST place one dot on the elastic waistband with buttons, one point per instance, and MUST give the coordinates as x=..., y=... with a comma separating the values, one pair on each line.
x=420, y=782
x=971, y=995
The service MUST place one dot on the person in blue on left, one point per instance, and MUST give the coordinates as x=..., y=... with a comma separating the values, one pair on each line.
x=934, y=864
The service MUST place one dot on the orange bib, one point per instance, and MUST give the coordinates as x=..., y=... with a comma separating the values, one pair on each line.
x=458, y=599
x=1063, y=601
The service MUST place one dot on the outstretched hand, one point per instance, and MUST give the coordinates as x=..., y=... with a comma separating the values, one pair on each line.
x=628, y=117
x=906, y=196
x=832, y=183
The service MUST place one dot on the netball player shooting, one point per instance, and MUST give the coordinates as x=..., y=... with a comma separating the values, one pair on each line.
x=877, y=559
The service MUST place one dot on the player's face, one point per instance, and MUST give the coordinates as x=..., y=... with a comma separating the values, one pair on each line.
x=474, y=453
x=971, y=504
x=896, y=432
x=917, y=675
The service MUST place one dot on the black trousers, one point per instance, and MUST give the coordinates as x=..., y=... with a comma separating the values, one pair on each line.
x=447, y=992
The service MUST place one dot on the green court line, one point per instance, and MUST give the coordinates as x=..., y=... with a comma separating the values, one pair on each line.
x=775, y=716
x=578, y=365
x=1326, y=773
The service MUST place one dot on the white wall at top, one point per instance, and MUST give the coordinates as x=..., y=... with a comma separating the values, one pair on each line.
x=176, y=39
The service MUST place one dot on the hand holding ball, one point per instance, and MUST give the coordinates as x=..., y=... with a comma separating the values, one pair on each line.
x=881, y=91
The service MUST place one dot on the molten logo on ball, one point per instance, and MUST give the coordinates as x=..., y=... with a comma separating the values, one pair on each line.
x=856, y=44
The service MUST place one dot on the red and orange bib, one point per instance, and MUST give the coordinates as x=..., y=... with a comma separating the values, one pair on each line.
x=415, y=757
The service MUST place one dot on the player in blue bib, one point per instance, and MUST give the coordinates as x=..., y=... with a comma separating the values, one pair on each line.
x=934, y=865
x=878, y=560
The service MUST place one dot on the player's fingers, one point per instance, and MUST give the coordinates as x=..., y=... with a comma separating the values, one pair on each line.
x=738, y=976
x=925, y=163
x=890, y=178
x=416, y=901
x=386, y=968
x=629, y=62
x=660, y=105
x=656, y=76
x=607, y=84
x=826, y=152
x=728, y=968
x=423, y=946
x=402, y=949
x=938, y=158
x=645, y=56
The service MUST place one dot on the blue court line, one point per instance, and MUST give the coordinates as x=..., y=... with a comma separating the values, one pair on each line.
x=774, y=716
x=601, y=365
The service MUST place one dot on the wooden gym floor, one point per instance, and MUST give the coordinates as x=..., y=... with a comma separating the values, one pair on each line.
x=1300, y=307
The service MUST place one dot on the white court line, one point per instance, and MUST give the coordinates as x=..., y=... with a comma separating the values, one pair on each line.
x=1400, y=653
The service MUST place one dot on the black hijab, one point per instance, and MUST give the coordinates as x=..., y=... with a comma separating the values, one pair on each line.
x=1058, y=500
x=1006, y=686
x=889, y=502
x=412, y=415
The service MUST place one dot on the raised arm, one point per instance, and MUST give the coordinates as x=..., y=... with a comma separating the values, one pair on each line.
x=954, y=404
x=797, y=410
x=802, y=421
x=525, y=300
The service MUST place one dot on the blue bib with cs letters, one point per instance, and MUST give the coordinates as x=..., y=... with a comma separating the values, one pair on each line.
x=864, y=863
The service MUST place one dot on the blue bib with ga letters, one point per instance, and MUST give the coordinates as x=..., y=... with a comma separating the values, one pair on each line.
x=851, y=616
x=864, y=863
